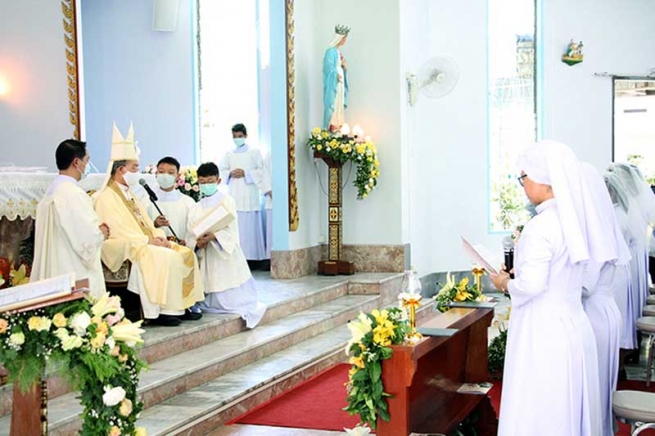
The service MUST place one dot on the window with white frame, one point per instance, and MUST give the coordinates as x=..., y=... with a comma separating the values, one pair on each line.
x=511, y=105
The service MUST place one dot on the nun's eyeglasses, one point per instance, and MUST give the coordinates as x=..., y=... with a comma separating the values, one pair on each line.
x=520, y=179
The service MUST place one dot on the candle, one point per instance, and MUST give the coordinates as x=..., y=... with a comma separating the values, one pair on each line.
x=345, y=130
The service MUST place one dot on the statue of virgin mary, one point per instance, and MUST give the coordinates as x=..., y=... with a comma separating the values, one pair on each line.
x=335, y=81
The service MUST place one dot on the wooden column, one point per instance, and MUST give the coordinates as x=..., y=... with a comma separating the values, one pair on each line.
x=29, y=415
x=334, y=265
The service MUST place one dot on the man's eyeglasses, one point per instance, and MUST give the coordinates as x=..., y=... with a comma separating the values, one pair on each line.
x=520, y=179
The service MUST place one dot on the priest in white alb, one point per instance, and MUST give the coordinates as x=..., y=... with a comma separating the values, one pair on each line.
x=173, y=204
x=242, y=169
x=214, y=233
x=69, y=235
x=164, y=274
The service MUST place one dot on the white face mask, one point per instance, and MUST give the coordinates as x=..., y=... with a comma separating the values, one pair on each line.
x=165, y=181
x=239, y=142
x=132, y=179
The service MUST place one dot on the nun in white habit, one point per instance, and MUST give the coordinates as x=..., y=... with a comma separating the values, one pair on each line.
x=598, y=295
x=550, y=382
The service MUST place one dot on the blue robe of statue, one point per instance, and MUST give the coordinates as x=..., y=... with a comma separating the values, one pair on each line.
x=330, y=81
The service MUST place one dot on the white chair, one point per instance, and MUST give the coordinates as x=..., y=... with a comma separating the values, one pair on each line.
x=635, y=408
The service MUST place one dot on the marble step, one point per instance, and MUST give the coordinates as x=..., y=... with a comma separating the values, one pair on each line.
x=179, y=373
x=282, y=299
x=209, y=406
x=213, y=404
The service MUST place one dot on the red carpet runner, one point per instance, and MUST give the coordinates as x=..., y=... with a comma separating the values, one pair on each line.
x=317, y=404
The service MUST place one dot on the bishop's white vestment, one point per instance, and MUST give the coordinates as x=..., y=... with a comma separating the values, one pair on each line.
x=229, y=286
x=550, y=381
x=68, y=237
x=247, y=196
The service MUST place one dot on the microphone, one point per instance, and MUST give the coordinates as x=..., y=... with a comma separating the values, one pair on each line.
x=508, y=249
x=153, y=199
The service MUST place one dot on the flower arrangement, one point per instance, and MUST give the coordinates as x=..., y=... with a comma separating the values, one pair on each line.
x=344, y=148
x=516, y=234
x=458, y=292
x=372, y=335
x=95, y=343
x=498, y=345
x=187, y=180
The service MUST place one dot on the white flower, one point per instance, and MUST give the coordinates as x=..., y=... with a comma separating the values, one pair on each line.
x=110, y=342
x=358, y=431
x=79, y=322
x=17, y=338
x=358, y=329
x=113, y=396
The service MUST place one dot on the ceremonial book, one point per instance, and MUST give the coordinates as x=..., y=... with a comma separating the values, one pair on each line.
x=480, y=255
x=214, y=220
x=36, y=292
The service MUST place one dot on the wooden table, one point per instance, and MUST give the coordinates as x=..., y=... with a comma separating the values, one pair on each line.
x=424, y=378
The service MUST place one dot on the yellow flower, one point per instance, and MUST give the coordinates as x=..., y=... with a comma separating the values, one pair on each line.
x=380, y=317
x=38, y=323
x=462, y=295
x=115, y=431
x=126, y=407
x=359, y=328
x=106, y=304
x=140, y=431
x=3, y=325
x=319, y=147
x=98, y=341
x=377, y=163
x=102, y=328
x=357, y=361
x=122, y=358
x=115, y=351
x=352, y=372
x=19, y=277
x=316, y=131
x=59, y=320
x=324, y=135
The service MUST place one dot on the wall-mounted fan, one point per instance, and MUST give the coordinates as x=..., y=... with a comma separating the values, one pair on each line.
x=436, y=78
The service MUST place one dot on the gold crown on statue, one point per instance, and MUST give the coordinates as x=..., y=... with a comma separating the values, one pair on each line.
x=340, y=29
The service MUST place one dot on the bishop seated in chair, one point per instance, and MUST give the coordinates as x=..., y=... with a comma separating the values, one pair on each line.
x=164, y=274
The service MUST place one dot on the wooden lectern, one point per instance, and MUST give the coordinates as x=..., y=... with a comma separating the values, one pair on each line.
x=424, y=379
x=29, y=415
x=334, y=265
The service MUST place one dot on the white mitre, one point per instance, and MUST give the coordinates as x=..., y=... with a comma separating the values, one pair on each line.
x=122, y=148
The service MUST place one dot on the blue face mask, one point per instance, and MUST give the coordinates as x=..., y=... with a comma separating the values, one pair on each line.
x=239, y=142
x=208, y=189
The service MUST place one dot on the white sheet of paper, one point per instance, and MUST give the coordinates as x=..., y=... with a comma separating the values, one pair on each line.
x=23, y=295
x=215, y=220
x=480, y=255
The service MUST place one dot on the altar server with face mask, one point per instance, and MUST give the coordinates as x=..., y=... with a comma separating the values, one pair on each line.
x=242, y=168
x=229, y=286
x=174, y=204
x=164, y=274
x=69, y=234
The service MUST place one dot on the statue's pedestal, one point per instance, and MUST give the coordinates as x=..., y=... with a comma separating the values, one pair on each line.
x=334, y=265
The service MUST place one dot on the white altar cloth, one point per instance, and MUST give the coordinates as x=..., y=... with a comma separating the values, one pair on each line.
x=20, y=192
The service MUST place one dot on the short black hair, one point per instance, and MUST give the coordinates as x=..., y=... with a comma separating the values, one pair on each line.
x=239, y=128
x=208, y=169
x=68, y=151
x=169, y=160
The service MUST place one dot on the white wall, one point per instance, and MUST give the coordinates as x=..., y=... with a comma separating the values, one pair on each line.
x=34, y=113
x=619, y=38
x=372, y=52
x=308, y=61
x=447, y=138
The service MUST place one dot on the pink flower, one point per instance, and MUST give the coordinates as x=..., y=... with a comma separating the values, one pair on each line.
x=187, y=186
x=196, y=188
x=180, y=182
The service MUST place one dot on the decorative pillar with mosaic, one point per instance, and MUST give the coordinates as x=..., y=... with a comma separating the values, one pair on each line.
x=336, y=149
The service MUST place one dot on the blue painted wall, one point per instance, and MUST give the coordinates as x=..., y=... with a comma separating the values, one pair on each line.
x=133, y=73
